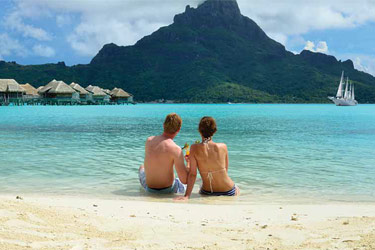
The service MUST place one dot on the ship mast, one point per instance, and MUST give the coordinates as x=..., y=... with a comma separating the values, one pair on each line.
x=339, y=91
x=346, y=88
x=353, y=96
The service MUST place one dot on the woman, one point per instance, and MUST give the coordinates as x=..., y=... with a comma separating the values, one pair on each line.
x=211, y=159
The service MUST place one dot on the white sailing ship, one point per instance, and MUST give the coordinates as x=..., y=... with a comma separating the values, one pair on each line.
x=344, y=97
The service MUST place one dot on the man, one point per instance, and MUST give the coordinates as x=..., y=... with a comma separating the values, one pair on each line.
x=161, y=153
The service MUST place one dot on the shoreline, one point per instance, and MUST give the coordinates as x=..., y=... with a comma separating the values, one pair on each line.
x=51, y=222
x=191, y=103
x=246, y=198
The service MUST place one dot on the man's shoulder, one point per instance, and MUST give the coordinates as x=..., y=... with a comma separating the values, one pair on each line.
x=150, y=138
x=172, y=144
x=172, y=147
x=168, y=144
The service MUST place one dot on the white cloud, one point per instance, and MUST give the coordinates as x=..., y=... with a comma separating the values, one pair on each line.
x=14, y=21
x=44, y=51
x=291, y=17
x=10, y=47
x=310, y=46
x=89, y=36
x=120, y=22
x=365, y=63
x=321, y=47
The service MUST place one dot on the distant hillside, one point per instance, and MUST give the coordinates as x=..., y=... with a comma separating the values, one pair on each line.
x=211, y=53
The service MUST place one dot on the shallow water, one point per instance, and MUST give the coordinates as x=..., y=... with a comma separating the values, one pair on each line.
x=277, y=152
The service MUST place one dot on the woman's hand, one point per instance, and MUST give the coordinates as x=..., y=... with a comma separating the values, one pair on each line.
x=181, y=198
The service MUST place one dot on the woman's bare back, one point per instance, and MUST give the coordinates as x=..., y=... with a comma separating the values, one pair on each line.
x=212, y=161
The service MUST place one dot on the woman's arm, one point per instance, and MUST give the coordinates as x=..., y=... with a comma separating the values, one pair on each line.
x=226, y=157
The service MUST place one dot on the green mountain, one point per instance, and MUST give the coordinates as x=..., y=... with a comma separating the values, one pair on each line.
x=211, y=53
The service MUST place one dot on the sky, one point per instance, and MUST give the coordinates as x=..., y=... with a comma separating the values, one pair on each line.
x=73, y=31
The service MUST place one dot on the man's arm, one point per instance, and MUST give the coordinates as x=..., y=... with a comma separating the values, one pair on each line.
x=192, y=176
x=179, y=163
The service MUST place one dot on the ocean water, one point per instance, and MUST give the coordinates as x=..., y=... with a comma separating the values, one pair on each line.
x=277, y=153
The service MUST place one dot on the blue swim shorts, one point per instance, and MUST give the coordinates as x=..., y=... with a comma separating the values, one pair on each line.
x=176, y=188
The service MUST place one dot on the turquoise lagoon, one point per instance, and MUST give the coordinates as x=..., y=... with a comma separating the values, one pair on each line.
x=277, y=153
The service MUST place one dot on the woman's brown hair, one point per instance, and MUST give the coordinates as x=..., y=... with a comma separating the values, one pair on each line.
x=207, y=127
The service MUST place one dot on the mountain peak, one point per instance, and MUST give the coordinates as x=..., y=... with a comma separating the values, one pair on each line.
x=211, y=12
x=224, y=7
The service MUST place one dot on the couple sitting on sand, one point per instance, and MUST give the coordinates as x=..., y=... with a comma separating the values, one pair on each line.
x=210, y=158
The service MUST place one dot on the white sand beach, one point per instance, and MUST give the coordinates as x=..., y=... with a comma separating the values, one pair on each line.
x=85, y=223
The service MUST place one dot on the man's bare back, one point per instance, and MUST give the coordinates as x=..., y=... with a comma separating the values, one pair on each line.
x=161, y=154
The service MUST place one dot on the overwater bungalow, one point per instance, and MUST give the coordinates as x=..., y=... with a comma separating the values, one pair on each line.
x=98, y=95
x=84, y=95
x=11, y=92
x=31, y=95
x=59, y=93
x=120, y=96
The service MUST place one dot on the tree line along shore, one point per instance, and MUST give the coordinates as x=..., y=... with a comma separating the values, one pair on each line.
x=60, y=93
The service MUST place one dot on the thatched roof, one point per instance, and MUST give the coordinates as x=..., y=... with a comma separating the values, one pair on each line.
x=10, y=86
x=95, y=91
x=30, y=90
x=39, y=88
x=57, y=87
x=119, y=93
x=107, y=91
x=89, y=88
x=78, y=88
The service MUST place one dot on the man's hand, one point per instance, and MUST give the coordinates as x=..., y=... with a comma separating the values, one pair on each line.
x=181, y=198
x=187, y=159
